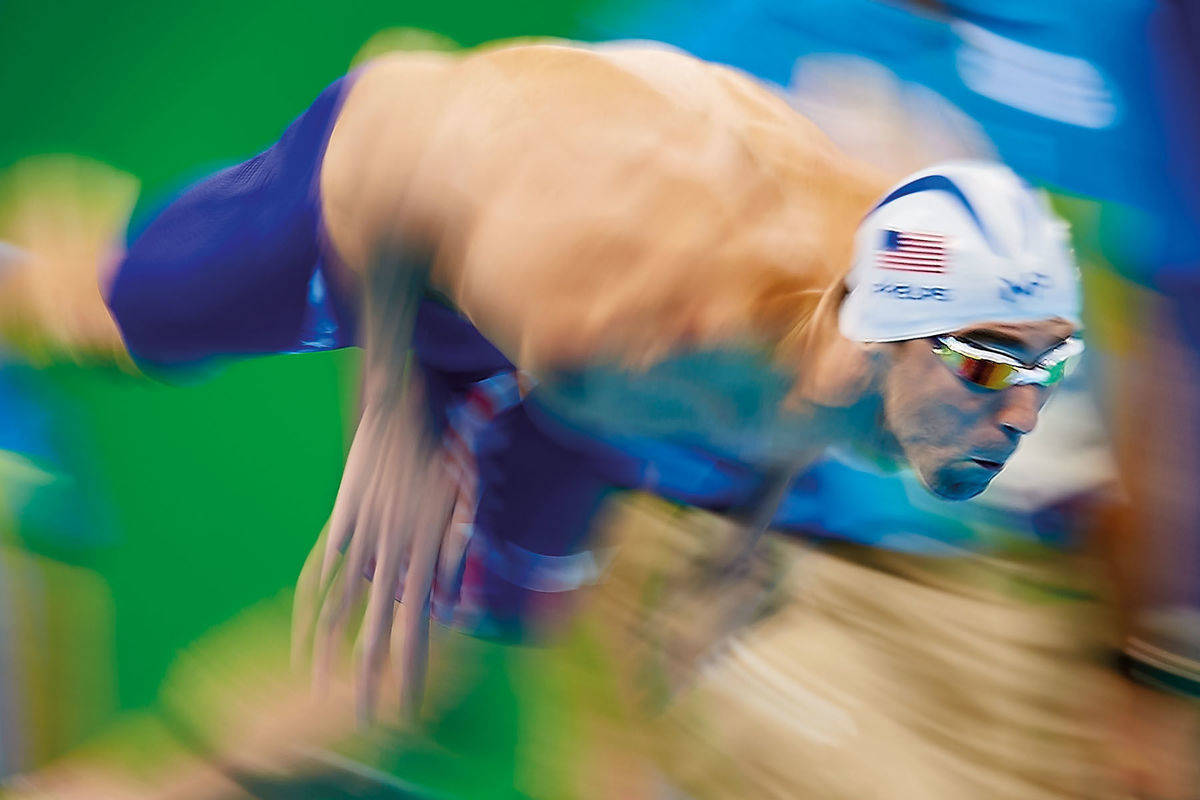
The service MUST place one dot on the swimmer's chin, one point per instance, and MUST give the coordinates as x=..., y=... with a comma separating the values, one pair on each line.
x=950, y=483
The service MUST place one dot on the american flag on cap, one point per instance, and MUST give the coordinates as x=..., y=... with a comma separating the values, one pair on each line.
x=912, y=251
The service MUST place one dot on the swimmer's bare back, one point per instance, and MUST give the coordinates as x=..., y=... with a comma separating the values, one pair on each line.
x=590, y=203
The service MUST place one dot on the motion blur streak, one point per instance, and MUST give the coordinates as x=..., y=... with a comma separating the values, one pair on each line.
x=632, y=572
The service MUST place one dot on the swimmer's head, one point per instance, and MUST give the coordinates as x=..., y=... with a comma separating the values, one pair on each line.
x=964, y=285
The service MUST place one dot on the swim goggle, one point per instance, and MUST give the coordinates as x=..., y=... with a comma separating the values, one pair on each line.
x=993, y=370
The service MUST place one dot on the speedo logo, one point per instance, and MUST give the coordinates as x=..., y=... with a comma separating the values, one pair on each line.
x=1027, y=285
x=908, y=291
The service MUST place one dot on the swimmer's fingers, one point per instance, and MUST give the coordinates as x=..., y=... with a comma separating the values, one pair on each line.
x=306, y=604
x=362, y=457
x=359, y=557
x=430, y=521
x=394, y=547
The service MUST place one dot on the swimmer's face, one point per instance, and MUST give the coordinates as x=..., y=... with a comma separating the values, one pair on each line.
x=958, y=435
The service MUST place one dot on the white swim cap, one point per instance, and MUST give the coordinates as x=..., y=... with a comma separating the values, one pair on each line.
x=955, y=245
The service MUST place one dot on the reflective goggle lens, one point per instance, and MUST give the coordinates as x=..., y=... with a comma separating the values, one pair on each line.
x=997, y=371
x=988, y=374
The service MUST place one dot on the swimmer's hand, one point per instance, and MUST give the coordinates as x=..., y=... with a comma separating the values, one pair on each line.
x=392, y=510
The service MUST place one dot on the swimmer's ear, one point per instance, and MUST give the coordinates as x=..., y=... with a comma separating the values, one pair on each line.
x=830, y=370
